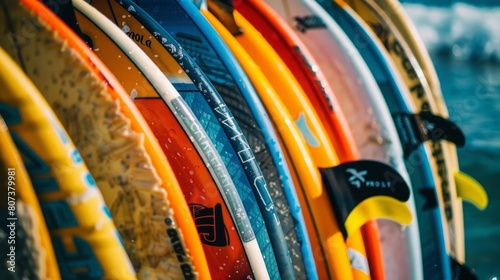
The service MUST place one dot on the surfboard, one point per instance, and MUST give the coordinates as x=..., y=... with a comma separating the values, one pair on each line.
x=329, y=233
x=467, y=188
x=212, y=112
x=34, y=252
x=301, y=111
x=362, y=102
x=288, y=134
x=392, y=86
x=154, y=83
x=85, y=245
x=80, y=60
x=311, y=79
x=422, y=97
x=186, y=24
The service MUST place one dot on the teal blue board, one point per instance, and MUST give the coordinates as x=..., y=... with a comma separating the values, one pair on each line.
x=435, y=260
x=225, y=133
x=201, y=41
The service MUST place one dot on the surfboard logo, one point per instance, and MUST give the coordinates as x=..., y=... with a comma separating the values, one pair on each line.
x=209, y=222
x=356, y=177
x=139, y=38
x=308, y=22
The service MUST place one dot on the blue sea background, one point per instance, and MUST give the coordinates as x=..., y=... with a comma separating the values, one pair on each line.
x=463, y=39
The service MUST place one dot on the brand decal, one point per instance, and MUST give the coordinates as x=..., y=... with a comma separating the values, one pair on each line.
x=139, y=38
x=358, y=180
x=209, y=222
x=181, y=254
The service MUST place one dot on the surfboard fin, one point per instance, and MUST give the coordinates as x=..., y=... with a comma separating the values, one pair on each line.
x=461, y=272
x=470, y=190
x=223, y=11
x=431, y=200
x=364, y=190
x=414, y=129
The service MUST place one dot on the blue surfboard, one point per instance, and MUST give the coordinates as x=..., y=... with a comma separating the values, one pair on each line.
x=224, y=132
x=200, y=40
x=436, y=263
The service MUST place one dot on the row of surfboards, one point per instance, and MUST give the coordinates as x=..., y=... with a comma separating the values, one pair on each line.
x=177, y=139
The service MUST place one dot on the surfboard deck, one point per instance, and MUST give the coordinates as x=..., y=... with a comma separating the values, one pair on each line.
x=211, y=110
x=164, y=127
x=64, y=186
x=225, y=146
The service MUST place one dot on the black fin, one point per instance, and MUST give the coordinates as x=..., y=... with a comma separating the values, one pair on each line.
x=349, y=184
x=431, y=201
x=414, y=129
x=461, y=272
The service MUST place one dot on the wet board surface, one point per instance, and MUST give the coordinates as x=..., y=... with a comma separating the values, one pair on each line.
x=225, y=133
x=181, y=24
x=116, y=137
x=195, y=170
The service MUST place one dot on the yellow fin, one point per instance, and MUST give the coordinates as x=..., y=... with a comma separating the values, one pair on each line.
x=471, y=190
x=377, y=207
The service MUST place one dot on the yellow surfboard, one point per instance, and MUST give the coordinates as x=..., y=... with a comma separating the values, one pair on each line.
x=84, y=238
x=18, y=189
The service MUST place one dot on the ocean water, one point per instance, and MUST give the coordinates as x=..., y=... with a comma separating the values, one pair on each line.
x=463, y=39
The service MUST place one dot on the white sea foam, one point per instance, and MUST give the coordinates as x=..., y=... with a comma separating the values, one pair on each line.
x=462, y=30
